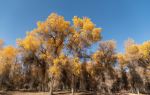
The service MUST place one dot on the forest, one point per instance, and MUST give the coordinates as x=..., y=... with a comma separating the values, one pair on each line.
x=59, y=55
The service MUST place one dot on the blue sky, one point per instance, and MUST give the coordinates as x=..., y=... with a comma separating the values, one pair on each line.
x=120, y=19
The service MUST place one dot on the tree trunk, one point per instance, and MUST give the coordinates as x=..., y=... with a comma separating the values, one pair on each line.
x=137, y=89
x=72, y=89
x=44, y=76
x=51, y=87
x=51, y=91
x=95, y=92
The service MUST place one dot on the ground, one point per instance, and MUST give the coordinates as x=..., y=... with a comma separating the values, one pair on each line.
x=55, y=93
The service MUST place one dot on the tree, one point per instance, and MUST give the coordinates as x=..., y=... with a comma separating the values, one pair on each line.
x=83, y=34
x=124, y=84
x=28, y=51
x=144, y=60
x=132, y=56
x=105, y=58
x=46, y=42
x=7, y=59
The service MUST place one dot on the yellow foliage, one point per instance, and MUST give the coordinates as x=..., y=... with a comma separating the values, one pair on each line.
x=77, y=22
x=9, y=52
x=30, y=43
x=72, y=30
x=76, y=35
x=56, y=61
x=58, y=42
x=96, y=34
x=62, y=56
x=43, y=56
x=75, y=38
x=58, y=64
x=133, y=49
x=7, y=58
x=83, y=33
x=97, y=55
x=84, y=23
x=61, y=60
x=121, y=59
x=53, y=23
x=88, y=24
x=50, y=41
x=76, y=67
x=42, y=27
x=54, y=70
x=145, y=49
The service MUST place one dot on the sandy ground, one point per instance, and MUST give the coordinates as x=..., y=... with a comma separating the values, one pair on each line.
x=55, y=93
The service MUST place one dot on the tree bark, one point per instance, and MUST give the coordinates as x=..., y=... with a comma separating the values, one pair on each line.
x=137, y=89
x=72, y=89
x=51, y=87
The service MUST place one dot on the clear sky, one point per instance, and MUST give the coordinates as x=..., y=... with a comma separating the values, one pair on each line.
x=120, y=19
